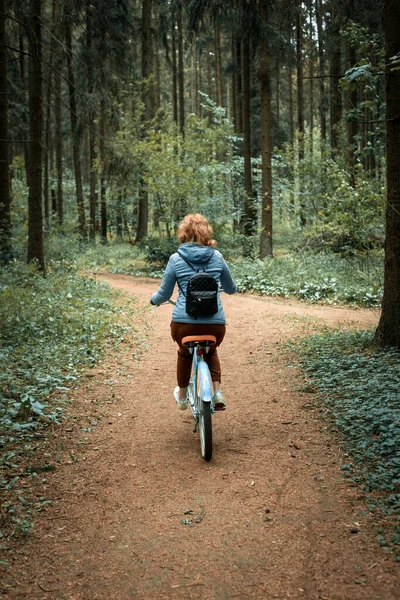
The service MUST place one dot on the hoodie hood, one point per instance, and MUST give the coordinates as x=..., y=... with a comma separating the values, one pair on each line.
x=195, y=253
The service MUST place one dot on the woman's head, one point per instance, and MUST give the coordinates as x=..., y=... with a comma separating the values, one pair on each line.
x=196, y=228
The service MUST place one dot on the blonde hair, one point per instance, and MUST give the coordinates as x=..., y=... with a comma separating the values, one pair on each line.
x=196, y=228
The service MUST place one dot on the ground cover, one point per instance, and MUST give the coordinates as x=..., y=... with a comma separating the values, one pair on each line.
x=52, y=329
x=306, y=275
x=358, y=387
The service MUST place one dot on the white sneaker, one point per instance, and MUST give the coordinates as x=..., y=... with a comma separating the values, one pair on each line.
x=182, y=404
x=219, y=400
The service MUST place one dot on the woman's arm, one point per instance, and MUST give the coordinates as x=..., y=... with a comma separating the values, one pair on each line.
x=227, y=282
x=166, y=288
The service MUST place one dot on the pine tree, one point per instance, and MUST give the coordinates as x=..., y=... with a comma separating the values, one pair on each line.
x=5, y=208
x=388, y=331
x=35, y=213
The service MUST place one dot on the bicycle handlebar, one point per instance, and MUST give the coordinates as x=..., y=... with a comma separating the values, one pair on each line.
x=167, y=302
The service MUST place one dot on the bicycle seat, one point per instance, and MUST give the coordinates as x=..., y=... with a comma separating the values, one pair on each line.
x=190, y=340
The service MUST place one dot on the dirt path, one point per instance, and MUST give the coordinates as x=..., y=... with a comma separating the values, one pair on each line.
x=145, y=517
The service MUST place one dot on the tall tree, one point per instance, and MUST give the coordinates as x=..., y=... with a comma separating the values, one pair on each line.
x=147, y=96
x=266, y=151
x=237, y=83
x=300, y=101
x=321, y=57
x=299, y=64
x=174, y=70
x=92, y=110
x=336, y=94
x=218, y=64
x=388, y=331
x=59, y=144
x=35, y=214
x=249, y=219
x=5, y=208
x=76, y=141
x=181, y=72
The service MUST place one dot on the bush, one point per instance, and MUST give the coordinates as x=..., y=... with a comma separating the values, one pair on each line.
x=158, y=250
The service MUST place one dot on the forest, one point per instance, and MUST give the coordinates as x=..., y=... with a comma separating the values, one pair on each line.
x=279, y=120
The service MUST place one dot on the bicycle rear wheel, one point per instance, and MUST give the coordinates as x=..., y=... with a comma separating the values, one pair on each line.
x=205, y=430
x=204, y=399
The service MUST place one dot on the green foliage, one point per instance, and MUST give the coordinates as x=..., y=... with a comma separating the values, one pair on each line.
x=51, y=328
x=158, y=250
x=343, y=212
x=190, y=174
x=359, y=387
x=313, y=278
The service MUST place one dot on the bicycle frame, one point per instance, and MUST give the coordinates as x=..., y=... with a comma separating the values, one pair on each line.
x=201, y=380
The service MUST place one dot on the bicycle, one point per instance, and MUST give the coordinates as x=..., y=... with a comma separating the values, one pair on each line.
x=200, y=389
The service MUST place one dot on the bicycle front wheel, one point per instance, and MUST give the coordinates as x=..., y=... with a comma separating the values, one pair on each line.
x=205, y=430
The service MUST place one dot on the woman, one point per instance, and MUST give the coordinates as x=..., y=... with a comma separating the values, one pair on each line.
x=197, y=249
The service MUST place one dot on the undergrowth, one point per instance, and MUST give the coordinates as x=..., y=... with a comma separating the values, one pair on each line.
x=52, y=329
x=359, y=388
x=313, y=277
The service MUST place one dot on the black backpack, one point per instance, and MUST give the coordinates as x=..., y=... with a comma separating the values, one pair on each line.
x=201, y=292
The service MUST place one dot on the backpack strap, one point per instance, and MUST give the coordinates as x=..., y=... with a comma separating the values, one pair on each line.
x=187, y=262
x=192, y=267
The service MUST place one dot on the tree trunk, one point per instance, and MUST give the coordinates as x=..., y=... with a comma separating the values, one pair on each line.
x=278, y=91
x=300, y=104
x=91, y=123
x=266, y=151
x=209, y=79
x=290, y=101
x=181, y=74
x=238, y=68
x=388, y=331
x=74, y=130
x=321, y=57
x=195, y=79
x=174, y=74
x=5, y=206
x=119, y=220
x=23, y=28
x=311, y=75
x=351, y=105
x=35, y=213
x=47, y=152
x=157, y=75
x=103, y=200
x=218, y=65
x=249, y=219
x=59, y=147
x=147, y=71
x=300, y=95
x=336, y=95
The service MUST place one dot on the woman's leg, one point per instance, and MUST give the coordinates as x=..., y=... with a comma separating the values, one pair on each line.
x=184, y=358
x=184, y=362
x=212, y=358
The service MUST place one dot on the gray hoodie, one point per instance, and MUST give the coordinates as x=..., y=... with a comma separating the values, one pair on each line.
x=178, y=270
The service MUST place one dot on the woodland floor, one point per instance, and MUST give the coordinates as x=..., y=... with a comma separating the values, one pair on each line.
x=145, y=517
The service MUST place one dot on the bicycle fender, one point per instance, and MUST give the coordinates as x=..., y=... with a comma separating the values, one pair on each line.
x=204, y=382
